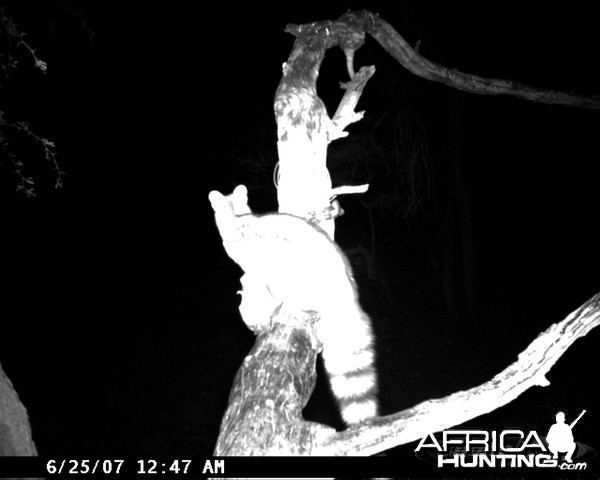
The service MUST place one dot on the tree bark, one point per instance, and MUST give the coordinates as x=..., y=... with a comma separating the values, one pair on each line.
x=15, y=431
x=273, y=385
x=304, y=129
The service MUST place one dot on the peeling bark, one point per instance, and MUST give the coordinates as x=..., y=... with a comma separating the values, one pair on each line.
x=270, y=390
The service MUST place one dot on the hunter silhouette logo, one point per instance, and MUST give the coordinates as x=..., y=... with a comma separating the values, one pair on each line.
x=560, y=437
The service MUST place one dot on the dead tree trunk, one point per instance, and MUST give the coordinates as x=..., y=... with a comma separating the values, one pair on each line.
x=270, y=390
x=273, y=384
x=304, y=130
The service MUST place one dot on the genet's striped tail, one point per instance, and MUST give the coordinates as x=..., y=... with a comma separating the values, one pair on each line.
x=349, y=359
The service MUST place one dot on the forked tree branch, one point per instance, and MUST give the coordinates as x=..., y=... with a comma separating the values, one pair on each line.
x=434, y=415
x=276, y=380
x=415, y=63
x=304, y=128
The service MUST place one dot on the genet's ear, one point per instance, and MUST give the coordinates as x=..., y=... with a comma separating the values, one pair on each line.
x=215, y=197
x=241, y=192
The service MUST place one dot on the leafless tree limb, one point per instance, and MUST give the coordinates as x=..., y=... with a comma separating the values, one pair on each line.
x=415, y=63
x=434, y=415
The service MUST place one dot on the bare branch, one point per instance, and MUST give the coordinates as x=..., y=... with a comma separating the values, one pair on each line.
x=345, y=189
x=12, y=32
x=345, y=114
x=410, y=59
x=434, y=415
x=47, y=146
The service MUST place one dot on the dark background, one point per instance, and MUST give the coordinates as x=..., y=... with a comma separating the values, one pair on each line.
x=120, y=328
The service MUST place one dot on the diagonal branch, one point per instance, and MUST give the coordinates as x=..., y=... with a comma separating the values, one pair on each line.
x=415, y=63
x=434, y=415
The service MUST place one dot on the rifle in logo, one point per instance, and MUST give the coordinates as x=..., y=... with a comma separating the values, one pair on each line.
x=577, y=419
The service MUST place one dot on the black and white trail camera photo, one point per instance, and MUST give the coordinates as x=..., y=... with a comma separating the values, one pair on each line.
x=302, y=239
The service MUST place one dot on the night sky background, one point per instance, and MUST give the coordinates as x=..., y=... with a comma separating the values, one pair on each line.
x=120, y=328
